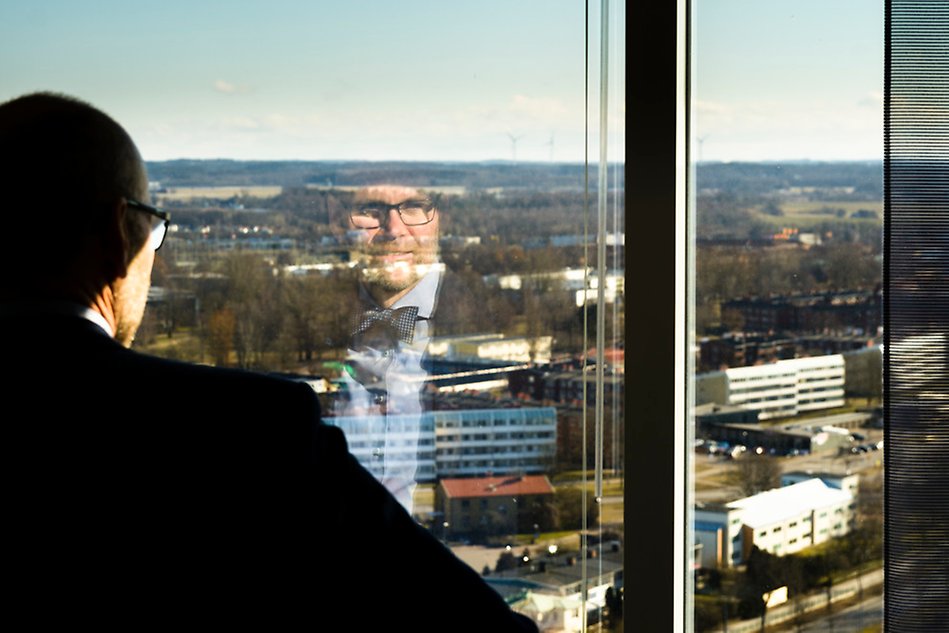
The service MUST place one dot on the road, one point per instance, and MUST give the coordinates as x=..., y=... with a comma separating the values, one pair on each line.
x=812, y=608
x=853, y=619
x=710, y=471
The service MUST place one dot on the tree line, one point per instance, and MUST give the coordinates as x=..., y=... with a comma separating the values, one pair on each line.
x=242, y=309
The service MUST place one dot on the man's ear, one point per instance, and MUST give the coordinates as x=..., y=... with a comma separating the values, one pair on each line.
x=116, y=247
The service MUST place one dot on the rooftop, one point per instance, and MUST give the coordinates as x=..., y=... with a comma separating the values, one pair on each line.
x=775, y=505
x=497, y=486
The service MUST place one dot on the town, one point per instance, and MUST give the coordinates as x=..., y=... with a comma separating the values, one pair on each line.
x=257, y=273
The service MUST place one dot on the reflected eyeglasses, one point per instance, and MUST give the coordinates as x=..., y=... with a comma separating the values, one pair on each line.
x=372, y=215
x=160, y=229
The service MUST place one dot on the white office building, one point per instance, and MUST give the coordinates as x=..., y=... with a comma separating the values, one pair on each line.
x=781, y=389
x=780, y=521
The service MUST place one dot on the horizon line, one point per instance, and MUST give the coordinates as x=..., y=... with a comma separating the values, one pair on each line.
x=502, y=161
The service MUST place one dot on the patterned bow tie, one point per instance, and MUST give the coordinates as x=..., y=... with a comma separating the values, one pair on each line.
x=401, y=321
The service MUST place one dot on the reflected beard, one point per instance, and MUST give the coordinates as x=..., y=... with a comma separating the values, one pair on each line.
x=397, y=266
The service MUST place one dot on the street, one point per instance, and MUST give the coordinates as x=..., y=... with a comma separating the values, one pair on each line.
x=853, y=619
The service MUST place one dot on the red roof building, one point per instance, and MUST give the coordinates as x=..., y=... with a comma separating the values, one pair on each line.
x=492, y=505
x=497, y=486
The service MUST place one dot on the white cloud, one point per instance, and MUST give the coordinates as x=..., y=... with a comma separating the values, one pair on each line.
x=873, y=99
x=534, y=107
x=228, y=88
x=710, y=107
x=772, y=129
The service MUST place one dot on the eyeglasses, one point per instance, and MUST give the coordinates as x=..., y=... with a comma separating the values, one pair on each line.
x=160, y=229
x=372, y=215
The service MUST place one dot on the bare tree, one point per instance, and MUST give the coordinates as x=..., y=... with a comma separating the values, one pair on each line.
x=752, y=474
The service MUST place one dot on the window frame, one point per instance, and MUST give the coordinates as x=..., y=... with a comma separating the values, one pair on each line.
x=658, y=583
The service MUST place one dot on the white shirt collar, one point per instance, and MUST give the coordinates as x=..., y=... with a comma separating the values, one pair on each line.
x=422, y=294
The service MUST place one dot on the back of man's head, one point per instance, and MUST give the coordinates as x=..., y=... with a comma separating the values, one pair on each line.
x=63, y=166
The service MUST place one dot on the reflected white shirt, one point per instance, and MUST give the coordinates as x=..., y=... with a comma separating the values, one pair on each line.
x=389, y=394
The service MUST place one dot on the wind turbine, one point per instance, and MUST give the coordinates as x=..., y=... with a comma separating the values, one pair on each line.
x=550, y=144
x=514, y=140
x=700, y=141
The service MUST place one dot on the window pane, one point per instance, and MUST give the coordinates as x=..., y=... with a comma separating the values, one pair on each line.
x=788, y=464
x=416, y=209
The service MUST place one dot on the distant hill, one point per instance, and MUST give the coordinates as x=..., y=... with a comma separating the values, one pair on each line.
x=473, y=176
x=864, y=177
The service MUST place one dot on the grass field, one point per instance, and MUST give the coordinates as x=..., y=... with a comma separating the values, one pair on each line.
x=218, y=193
x=806, y=213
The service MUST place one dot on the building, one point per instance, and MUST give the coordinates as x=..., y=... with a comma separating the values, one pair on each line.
x=741, y=349
x=569, y=387
x=738, y=349
x=864, y=371
x=394, y=442
x=772, y=440
x=784, y=388
x=562, y=380
x=549, y=589
x=582, y=283
x=477, y=442
x=848, y=482
x=780, y=521
x=714, y=414
x=479, y=347
x=459, y=376
x=832, y=311
x=828, y=433
x=491, y=505
x=459, y=443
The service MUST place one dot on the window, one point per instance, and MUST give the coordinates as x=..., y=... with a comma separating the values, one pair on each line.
x=763, y=224
x=265, y=262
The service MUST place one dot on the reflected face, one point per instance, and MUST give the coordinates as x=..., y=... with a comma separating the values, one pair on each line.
x=395, y=255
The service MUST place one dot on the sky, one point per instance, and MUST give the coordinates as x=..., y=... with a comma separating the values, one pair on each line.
x=436, y=80
x=776, y=79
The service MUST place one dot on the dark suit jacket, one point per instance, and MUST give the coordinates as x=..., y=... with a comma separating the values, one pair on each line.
x=144, y=491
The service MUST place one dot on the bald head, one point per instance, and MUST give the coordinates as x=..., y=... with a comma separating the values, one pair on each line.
x=63, y=166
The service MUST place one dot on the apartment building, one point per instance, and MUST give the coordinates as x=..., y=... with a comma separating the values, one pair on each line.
x=454, y=443
x=492, y=504
x=478, y=442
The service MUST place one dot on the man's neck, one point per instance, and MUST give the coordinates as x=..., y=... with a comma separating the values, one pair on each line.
x=385, y=298
x=421, y=294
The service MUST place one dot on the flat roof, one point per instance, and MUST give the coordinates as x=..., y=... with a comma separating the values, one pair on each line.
x=775, y=505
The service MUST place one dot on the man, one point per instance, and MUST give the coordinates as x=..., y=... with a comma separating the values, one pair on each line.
x=141, y=491
x=395, y=230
